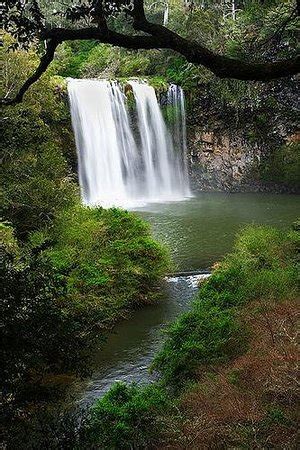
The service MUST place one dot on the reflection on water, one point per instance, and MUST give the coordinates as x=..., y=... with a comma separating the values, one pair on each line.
x=199, y=232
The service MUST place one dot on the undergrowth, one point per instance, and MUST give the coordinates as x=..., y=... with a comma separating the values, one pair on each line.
x=262, y=267
x=251, y=293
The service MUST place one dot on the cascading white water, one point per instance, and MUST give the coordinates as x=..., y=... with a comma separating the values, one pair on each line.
x=117, y=168
x=98, y=141
x=177, y=122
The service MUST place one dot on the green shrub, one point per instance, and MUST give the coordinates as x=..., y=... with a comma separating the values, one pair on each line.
x=106, y=257
x=101, y=59
x=36, y=181
x=132, y=64
x=206, y=335
x=128, y=416
x=71, y=58
x=262, y=267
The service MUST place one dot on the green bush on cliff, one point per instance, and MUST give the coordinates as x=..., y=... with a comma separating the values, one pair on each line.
x=106, y=257
x=283, y=166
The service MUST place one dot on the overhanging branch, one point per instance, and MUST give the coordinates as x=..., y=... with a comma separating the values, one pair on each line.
x=42, y=67
x=160, y=37
x=221, y=66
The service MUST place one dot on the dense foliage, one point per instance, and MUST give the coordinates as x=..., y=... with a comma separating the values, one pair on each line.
x=69, y=272
x=262, y=267
x=42, y=336
x=260, y=272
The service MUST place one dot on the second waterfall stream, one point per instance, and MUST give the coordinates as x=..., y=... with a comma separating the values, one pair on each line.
x=128, y=156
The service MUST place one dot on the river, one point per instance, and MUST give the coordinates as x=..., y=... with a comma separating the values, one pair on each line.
x=199, y=232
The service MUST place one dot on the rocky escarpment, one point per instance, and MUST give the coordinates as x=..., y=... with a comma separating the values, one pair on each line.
x=229, y=149
x=220, y=163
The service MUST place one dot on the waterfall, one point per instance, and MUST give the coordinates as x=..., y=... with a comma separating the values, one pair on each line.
x=175, y=99
x=124, y=159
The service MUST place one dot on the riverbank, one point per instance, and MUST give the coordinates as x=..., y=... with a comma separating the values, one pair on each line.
x=227, y=366
x=64, y=290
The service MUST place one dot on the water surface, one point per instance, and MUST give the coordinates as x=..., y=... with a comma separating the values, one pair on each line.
x=199, y=232
x=130, y=349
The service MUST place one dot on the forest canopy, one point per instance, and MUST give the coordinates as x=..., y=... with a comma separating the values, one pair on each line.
x=141, y=24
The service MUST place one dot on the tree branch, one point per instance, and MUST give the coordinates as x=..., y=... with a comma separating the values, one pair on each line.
x=158, y=36
x=56, y=36
x=221, y=66
x=104, y=36
x=42, y=67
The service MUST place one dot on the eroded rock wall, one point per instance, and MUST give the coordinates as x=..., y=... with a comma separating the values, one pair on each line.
x=220, y=162
x=228, y=147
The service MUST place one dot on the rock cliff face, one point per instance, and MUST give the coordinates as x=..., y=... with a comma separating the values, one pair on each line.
x=228, y=148
x=221, y=163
